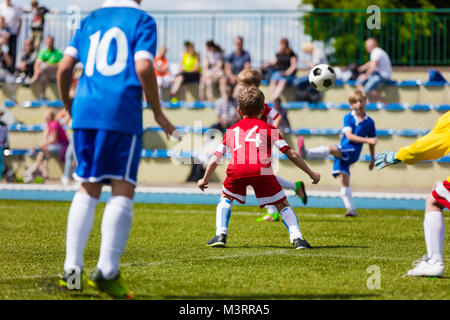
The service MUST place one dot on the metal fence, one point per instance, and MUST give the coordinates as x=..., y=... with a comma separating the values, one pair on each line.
x=410, y=36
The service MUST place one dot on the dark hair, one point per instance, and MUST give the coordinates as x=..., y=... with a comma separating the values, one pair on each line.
x=251, y=101
x=215, y=46
x=288, y=49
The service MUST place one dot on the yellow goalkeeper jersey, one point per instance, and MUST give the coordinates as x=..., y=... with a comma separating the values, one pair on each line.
x=433, y=145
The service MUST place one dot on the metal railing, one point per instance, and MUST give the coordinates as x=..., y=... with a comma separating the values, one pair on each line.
x=409, y=36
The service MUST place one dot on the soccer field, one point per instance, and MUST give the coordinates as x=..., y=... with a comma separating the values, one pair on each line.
x=166, y=256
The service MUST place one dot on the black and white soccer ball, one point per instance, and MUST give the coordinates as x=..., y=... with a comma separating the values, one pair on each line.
x=322, y=77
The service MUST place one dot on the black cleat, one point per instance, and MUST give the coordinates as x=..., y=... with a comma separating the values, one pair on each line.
x=218, y=241
x=301, y=244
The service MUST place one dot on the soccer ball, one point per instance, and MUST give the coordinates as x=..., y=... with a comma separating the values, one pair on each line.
x=322, y=77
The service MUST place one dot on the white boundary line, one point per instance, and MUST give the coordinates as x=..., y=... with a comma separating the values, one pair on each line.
x=217, y=191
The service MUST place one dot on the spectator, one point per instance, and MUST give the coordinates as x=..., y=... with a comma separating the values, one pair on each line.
x=54, y=144
x=13, y=18
x=190, y=69
x=283, y=69
x=26, y=60
x=46, y=65
x=377, y=71
x=162, y=70
x=4, y=144
x=226, y=111
x=69, y=157
x=212, y=72
x=284, y=123
x=6, y=61
x=236, y=62
x=37, y=25
x=4, y=30
x=317, y=57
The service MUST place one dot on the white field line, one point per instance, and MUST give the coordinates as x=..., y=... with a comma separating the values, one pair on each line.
x=287, y=252
x=217, y=191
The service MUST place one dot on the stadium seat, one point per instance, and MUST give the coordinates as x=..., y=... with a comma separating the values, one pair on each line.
x=445, y=159
x=394, y=107
x=420, y=107
x=434, y=83
x=295, y=105
x=384, y=132
x=374, y=106
x=409, y=132
x=409, y=83
x=443, y=107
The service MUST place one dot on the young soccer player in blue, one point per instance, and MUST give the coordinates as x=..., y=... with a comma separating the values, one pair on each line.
x=116, y=45
x=358, y=129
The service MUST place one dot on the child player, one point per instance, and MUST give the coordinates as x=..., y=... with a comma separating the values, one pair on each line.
x=250, y=141
x=116, y=44
x=252, y=77
x=433, y=145
x=358, y=129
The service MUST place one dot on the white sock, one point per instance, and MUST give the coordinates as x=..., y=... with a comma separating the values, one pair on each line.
x=291, y=222
x=116, y=225
x=223, y=214
x=434, y=229
x=79, y=225
x=286, y=184
x=271, y=209
x=346, y=195
x=318, y=152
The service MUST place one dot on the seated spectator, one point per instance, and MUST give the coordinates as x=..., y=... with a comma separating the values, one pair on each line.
x=4, y=144
x=284, y=121
x=26, y=60
x=161, y=65
x=212, y=72
x=283, y=69
x=46, y=65
x=190, y=69
x=377, y=71
x=236, y=62
x=226, y=111
x=6, y=61
x=54, y=144
x=317, y=57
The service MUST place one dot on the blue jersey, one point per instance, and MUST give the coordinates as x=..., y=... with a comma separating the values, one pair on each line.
x=109, y=41
x=364, y=128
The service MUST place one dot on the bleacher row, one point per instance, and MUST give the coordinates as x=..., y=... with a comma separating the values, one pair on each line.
x=402, y=83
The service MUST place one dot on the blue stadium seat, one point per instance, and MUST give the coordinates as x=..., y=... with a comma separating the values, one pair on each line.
x=394, y=107
x=9, y=103
x=374, y=106
x=265, y=82
x=409, y=132
x=54, y=104
x=420, y=107
x=33, y=104
x=194, y=105
x=339, y=83
x=410, y=83
x=318, y=106
x=443, y=107
x=391, y=82
x=344, y=106
x=434, y=83
x=384, y=132
x=351, y=82
x=301, y=132
x=294, y=105
x=445, y=159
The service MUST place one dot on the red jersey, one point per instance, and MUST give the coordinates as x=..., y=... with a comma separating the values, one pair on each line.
x=269, y=113
x=250, y=142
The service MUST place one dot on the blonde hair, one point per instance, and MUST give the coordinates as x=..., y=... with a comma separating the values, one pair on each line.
x=249, y=77
x=357, y=95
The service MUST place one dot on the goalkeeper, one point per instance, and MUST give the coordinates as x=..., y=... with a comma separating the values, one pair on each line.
x=434, y=145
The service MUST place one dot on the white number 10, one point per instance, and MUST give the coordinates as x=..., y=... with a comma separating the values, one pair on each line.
x=98, y=53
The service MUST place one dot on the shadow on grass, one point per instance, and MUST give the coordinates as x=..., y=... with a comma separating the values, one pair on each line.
x=273, y=297
x=289, y=247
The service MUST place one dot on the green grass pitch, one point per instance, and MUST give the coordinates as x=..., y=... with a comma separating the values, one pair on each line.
x=166, y=256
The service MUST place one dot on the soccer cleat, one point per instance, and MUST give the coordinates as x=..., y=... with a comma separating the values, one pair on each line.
x=269, y=217
x=301, y=147
x=73, y=285
x=301, y=244
x=300, y=189
x=424, y=268
x=113, y=287
x=218, y=241
x=351, y=213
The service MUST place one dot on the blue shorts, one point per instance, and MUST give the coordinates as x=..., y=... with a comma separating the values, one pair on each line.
x=342, y=165
x=278, y=76
x=372, y=82
x=103, y=155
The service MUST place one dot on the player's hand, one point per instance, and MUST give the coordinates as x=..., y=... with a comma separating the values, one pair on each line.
x=384, y=159
x=175, y=135
x=202, y=184
x=372, y=141
x=315, y=177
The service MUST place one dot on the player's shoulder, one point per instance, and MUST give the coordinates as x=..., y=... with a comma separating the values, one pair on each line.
x=349, y=117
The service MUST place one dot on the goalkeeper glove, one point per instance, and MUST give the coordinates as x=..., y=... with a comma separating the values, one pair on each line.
x=385, y=159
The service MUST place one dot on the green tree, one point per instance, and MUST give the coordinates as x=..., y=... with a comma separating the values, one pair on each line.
x=408, y=36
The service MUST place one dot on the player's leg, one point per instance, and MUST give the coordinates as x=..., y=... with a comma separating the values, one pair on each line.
x=79, y=225
x=278, y=90
x=320, y=152
x=346, y=195
x=223, y=215
x=432, y=264
x=291, y=222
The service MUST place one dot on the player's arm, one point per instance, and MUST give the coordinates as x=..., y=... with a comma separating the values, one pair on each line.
x=295, y=158
x=372, y=156
x=212, y=166
x=354, y=138
x=64, y=80
x=147, y=77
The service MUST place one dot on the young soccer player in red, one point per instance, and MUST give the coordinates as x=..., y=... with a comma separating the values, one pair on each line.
x=250, y=141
